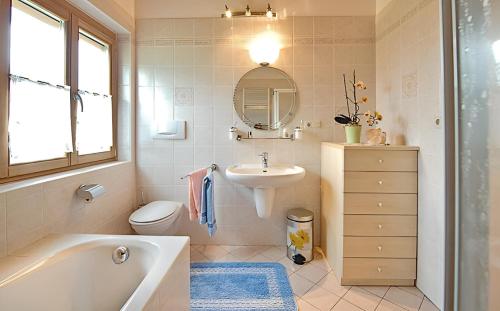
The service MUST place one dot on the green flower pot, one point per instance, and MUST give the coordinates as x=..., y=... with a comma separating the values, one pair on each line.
x=352, y=134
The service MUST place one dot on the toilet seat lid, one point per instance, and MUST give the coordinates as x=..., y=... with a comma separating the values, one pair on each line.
x=155, y=211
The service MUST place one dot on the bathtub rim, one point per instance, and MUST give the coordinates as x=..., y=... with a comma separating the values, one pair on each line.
x=169, y=248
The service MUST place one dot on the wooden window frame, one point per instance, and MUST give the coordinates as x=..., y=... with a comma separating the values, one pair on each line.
x=74, y=21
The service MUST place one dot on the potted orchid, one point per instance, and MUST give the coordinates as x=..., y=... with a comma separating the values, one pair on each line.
x=351, y=120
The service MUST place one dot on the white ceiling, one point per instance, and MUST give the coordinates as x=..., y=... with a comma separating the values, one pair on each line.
x=213, y=8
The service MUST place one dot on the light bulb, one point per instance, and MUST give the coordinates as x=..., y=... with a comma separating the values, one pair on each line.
x=228, y=13
x=265, y=48
x=247, y=11
x=269, y=12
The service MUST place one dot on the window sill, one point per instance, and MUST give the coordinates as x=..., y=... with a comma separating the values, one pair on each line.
x=15, y=185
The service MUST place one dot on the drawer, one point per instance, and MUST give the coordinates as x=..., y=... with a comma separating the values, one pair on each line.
x=380, y=160
x=380, y=247
x=380, y=225
x=378, y=268
x=381, y=182
x=395, y=204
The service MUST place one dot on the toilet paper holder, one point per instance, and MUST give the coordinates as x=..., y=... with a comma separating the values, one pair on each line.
x=90, y=192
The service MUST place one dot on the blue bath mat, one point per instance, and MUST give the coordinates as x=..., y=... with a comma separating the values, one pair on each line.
x=240, y=286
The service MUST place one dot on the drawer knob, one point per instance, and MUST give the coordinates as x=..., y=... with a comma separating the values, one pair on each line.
x=380, y=226
x=379, y=269
x=379, y=248
x=379, y=204
x=380, y=182
x=380, y=161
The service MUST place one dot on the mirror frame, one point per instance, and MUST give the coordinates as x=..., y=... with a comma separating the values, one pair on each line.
x=286, y=119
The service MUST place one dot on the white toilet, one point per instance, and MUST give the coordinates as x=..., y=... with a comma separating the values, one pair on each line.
x=157, y=218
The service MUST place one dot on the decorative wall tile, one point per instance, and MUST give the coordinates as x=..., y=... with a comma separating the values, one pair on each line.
x=409, y=84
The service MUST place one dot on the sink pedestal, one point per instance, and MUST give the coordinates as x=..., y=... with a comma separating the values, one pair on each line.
x=264, y=201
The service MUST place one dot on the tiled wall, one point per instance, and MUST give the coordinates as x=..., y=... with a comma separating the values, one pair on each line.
x=49, y=204
x=188, y=68
x=409, y=94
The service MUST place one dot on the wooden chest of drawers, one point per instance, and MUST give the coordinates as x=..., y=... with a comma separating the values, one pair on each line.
x=369, y=213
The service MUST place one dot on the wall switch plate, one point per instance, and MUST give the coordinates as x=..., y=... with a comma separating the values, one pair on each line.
x=312, y=124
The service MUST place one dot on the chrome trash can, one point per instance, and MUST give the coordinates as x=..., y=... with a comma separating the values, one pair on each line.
x=299, y=238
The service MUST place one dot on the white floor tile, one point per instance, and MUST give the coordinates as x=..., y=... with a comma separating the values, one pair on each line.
x=300, y=285
x=403, y=299
x=322, y=264
x=245, y=252
x=412, y=290
x=275, y=253
x=259, y=258
x=320, y=261
x=312, y=273
x=344, y=305
x=388, y=306
x=197, y=247
x=304, y=306
x=332, y=284
x=377, y=290
x=289, y=265
x=227, y=258
x=363, y=299
x=213, y=252
x=427, y=305
x=197, y=257
x=321, y=298
x=230, y=248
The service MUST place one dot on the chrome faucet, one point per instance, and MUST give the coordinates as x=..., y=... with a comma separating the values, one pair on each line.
x=265, y=158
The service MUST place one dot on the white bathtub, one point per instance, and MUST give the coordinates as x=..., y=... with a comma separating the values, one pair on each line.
x=76, y=272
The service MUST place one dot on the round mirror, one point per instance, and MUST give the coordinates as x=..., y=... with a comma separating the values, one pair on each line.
x=265, y=98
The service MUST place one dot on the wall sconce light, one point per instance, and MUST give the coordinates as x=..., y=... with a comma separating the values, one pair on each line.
x=265, y=48
x=228, y=13
x=269, y=12
x=248, y=13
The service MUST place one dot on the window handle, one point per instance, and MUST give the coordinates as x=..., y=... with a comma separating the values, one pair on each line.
x=78, y=98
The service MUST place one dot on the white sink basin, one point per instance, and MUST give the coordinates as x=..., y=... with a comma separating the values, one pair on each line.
x=264, y=182
x=255, y=176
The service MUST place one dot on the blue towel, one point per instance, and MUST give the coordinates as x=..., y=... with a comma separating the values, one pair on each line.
x=207, y=215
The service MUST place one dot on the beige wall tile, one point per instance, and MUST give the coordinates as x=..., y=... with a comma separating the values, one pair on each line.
x=303, y=26
x=26, y=210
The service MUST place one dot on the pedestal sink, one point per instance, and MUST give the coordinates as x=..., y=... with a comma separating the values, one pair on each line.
x=264, y=182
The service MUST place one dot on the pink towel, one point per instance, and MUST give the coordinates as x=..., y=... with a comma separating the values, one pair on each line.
x=195, y=185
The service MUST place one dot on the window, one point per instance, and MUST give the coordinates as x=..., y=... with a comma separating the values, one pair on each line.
x=94, y=122
x=59, y=112
x=39, y=114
